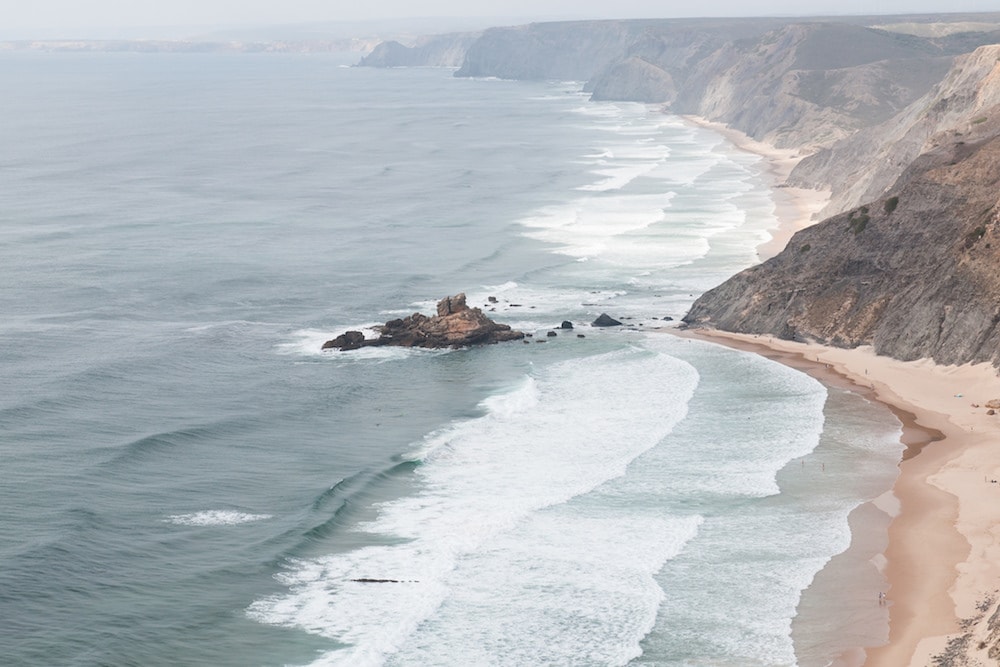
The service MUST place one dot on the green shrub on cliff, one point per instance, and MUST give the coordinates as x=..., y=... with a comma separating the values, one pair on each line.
x=858, y=220
x=976, y=234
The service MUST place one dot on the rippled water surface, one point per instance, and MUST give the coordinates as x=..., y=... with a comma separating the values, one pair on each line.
x=188, y=479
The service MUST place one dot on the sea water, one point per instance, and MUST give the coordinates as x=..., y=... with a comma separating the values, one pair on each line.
x=188, y=479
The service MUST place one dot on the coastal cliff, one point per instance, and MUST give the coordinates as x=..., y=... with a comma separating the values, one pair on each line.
x=912, y=272
x=897, y=118
x=794, y=84
x=809, y=85
x=435, y=51
x=865, y=165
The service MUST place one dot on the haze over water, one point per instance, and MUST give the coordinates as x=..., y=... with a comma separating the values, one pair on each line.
x=190, y=480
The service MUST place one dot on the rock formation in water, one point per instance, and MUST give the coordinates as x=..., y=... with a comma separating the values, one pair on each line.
x=455, y=325
x=605, y=320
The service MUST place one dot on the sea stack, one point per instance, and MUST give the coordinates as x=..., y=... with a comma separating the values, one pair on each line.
x=455, y=325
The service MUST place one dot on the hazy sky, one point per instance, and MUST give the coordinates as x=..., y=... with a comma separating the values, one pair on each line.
x=68, y=18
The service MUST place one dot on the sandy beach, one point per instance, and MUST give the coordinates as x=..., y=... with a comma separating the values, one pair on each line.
x=942, y=559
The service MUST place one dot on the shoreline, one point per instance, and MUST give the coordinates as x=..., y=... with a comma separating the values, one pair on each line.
x=862, y=624
x=942, y=561
x=794, y=208
x=940, y=523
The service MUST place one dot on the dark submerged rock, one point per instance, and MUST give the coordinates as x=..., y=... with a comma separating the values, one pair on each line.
x=606, y=320
x=350, y=340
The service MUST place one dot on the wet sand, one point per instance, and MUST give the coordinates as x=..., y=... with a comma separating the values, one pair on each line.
x=934, y=541
x=942, y=559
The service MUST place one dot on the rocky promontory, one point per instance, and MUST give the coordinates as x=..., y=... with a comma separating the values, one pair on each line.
x=912, y=272
x=455, y=325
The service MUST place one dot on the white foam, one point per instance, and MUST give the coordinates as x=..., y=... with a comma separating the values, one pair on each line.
x=215, y=518
x=309, y=343
x=554, y=438
x=616, y=178
x=606, y=110
x=504, y=287
x=583, y=580
x=594, y=227
x=532, y=308
x=781, y=420
x=507, y=406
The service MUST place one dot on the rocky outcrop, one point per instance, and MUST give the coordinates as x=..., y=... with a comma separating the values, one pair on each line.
x=605, y=320
x=913, y=273
x=455, y=325
x=436, y=51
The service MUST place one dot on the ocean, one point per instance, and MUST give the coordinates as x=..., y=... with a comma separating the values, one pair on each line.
x=189, y=480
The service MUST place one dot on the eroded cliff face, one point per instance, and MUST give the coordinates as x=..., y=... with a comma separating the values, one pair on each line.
x=559, y=51
x=865, y=165
x=914, y=270
x=810, y=85
x=435, y=51
x=914, y=273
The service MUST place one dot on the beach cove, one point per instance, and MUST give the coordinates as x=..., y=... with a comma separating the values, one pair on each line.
x=942, y=558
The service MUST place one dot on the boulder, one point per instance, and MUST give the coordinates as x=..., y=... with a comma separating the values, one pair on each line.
x=451, y=305
x=350, y=340
x=606, y=320
x=566, y=325
x=993, y=403
x=455, y=325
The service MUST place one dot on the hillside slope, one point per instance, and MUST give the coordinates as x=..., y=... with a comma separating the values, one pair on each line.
x=865, y=165
x=912, y=273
